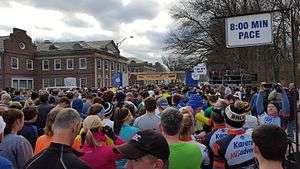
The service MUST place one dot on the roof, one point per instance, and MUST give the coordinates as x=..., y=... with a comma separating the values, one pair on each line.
x=2, y=38
x=100, y=45
x=106, y=46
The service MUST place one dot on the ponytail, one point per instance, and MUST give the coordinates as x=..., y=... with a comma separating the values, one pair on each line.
x=121, y=114
x=187, y=124
x=87, y=137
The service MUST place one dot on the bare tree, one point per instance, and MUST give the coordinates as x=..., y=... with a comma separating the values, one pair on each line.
x=199, y=37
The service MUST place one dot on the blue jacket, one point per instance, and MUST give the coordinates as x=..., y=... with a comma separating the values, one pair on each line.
x=5, y=163
x=284, y=104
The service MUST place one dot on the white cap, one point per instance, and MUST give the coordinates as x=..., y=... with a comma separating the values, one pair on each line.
x=151, y=93
x=2, y=125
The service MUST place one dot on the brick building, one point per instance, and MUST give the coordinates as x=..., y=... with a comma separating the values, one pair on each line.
x=25, y=65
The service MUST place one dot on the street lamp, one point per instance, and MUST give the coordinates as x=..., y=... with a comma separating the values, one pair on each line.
x=121, y=41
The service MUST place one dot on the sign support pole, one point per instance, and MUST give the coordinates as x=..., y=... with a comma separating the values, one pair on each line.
x=295, y=77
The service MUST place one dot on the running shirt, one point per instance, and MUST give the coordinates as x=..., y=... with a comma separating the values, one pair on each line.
x=267, y=119
x=212, y=137
x=234, y=151
x=184, y=156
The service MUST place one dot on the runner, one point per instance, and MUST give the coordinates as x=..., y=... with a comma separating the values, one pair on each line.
x=235, y=150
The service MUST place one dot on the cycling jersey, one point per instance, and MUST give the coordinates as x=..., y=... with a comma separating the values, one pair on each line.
x=212, y=137
x=234, y=151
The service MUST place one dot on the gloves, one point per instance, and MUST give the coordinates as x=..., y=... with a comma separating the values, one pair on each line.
x=109, y=133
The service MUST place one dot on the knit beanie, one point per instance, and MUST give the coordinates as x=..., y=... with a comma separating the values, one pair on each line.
x=235, y=115
x=108, y=109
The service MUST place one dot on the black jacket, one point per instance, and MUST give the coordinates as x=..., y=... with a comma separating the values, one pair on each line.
x=30, y=132
x=43, y=110
x=57, y=156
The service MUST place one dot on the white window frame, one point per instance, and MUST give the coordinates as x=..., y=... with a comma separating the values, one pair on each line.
x=31, y=61
x=100, y=63
x=43, y=64
x=68, y=64
x=11, y=62
x=80, y=85
x=55, y=79
x=80, y=60
x=43, y=83
x=119, y=67
x=54, y=64
x=19, y=79
x=112, y=66
x=106, y=65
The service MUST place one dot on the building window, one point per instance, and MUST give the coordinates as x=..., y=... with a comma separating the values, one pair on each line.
x=29, y=64
x=118, y=67
x=58, y=82
x=22, y=83
x=98, y=63
x=106, y=83
x=83, y=82
x=57, y=64
x=82, y=63
x=70, y=64
x=106, y=65
x=0, y=62
x=112, y=66
x=45, y=64
x=124, y=68
x=14, y=63
x=46, y=83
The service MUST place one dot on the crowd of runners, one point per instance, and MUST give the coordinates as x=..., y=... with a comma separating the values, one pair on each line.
x=149, y=127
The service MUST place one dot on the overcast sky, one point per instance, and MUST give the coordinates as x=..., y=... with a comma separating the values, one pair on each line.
x=72, y=20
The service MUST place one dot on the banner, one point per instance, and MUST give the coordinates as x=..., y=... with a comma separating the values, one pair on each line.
x=70, y=82
x=157, y=76
x=116, y=79
x=200, y=69
x=249, y=30
x=125, y=79
x=189, y=80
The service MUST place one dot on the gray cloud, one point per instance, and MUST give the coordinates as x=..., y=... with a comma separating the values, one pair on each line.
x=4, y=3
x=72, y=21
x=43, y=28
x=110, y=13
x=68, y=36
x=5, y=28
x=142, y=51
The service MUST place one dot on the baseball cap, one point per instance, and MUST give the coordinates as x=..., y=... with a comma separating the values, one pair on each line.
x=144, y=143
x=163, y=103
